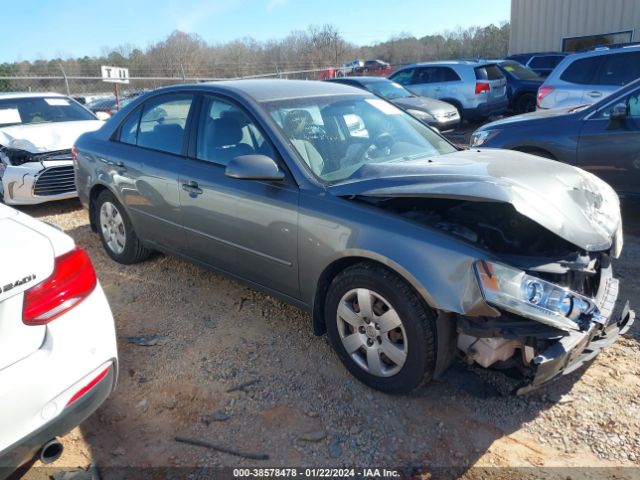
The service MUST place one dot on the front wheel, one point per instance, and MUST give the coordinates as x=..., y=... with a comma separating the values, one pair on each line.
x=116, y=231
x=380, y=329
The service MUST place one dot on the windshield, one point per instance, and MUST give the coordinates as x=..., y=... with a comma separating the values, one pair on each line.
x=337, y=135
x=520, y=71
x=31, y=110
x=388, y=90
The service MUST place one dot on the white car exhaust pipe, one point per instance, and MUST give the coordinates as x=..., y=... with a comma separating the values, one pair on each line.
x=51, y=451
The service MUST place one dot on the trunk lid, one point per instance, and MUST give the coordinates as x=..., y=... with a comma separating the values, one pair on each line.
x=27, y=259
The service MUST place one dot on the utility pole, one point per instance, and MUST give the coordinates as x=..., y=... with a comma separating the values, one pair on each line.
x=66, y=80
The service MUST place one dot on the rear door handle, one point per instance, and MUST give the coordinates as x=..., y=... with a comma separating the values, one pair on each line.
x=192, y=187
x=594, y=94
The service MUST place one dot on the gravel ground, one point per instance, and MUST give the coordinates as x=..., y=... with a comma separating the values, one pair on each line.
x=299, y=405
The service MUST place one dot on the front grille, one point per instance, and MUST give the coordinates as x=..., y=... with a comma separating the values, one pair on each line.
x=55, y=181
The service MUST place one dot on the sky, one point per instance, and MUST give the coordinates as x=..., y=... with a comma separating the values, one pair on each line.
x=44, y=29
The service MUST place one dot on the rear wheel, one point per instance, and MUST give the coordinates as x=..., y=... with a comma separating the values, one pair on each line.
x=116, y=232
x=525, y=103
x=380, y=328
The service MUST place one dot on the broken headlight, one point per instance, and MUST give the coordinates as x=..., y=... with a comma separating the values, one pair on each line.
x=18, y=157
x=517, y=292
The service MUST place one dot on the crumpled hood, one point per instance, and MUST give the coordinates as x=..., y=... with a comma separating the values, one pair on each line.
x=46, y=137
x=572, y=203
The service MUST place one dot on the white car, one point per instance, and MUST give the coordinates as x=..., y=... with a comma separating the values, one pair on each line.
x=37, y=132
x=58, y=356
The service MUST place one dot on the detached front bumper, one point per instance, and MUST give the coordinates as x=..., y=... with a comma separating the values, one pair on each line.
x=574, y=350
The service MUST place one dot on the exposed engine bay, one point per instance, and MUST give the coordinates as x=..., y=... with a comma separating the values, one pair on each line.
x=534, y=349
x=497, y=227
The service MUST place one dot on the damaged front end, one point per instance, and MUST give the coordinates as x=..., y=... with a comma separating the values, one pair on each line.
x=31, y=178
x=549, y=237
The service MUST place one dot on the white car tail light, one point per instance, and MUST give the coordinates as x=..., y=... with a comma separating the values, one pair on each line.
x=73, y=279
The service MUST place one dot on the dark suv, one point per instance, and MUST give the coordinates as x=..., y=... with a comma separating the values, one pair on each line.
x=542, y=63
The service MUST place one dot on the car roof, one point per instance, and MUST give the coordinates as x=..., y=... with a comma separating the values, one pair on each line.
x=472, y=63
x=363, y=79
x=266, y=90
x=531, y=54
x=13, y=95
x=606, y=51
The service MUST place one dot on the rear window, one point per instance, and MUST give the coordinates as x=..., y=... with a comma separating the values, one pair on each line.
x=548, y=61
x=488, y=72
x=582, y=71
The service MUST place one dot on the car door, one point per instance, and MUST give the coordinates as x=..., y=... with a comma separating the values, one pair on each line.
x=610, y=148
x=248, y=228
x=145, y=165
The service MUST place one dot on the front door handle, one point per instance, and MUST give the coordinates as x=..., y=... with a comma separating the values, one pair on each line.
x=192, y=187
x=594, y=94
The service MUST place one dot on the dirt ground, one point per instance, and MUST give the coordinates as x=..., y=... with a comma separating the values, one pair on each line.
x=299, y=406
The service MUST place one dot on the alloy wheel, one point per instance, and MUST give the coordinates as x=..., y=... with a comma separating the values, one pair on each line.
x=112, y=228
x=372, y=332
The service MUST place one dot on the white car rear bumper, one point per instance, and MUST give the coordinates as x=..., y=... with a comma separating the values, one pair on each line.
x=35, y=391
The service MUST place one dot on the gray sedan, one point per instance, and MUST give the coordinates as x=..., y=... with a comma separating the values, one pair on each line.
x=407, y=251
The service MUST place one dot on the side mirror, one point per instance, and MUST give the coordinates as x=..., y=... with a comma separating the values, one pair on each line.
x=619, y=111
x=103, y=116
x=254, y=167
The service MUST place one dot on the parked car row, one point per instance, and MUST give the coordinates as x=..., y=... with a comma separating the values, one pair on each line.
x=519, y=83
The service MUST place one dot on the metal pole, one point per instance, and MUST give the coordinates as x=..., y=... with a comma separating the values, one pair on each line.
x=115, y=88
x=66, y=80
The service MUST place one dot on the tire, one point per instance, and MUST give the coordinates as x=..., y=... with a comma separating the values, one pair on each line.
x=525, y=103
x=118, y=238
x=411, y=345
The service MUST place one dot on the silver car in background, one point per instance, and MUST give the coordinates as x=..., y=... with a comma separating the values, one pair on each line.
x=584, y=78
x=477, y=89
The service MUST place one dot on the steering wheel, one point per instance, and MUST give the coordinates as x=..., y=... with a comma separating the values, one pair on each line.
x=380, y=146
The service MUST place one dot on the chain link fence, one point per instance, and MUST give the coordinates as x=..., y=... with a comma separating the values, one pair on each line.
x=88, y=85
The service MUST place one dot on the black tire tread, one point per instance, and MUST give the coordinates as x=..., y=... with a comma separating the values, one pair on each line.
x=135, y=251
x=413, y=303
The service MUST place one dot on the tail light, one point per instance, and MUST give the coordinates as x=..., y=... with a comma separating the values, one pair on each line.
x=543, y=91
x=74, y=152
x=73, y=279
x=482, y=87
